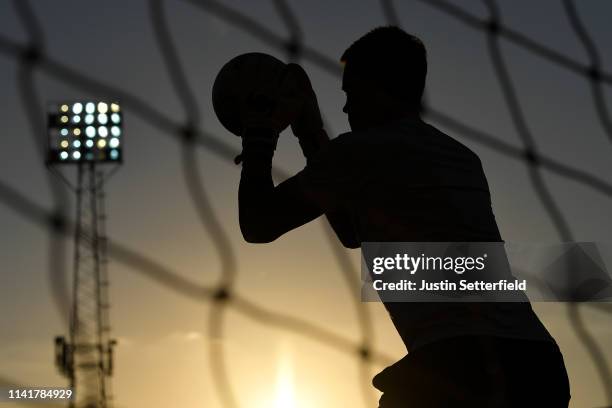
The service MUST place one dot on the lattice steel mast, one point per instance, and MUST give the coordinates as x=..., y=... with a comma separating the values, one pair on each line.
x=86, y=357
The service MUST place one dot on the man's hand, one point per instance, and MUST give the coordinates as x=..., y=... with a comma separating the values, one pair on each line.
x=268, y=110
x=273, y=104
x=308, y=125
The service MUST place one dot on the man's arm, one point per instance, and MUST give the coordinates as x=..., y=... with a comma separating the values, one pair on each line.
x=267, y=212
x=312, y=143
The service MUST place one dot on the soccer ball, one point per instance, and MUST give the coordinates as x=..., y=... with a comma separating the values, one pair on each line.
x=237, y=81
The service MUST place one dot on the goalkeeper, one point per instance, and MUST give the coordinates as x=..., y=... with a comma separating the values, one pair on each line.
x=396, y=178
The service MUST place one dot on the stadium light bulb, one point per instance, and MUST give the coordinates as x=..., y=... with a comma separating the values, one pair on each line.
x=84, y=131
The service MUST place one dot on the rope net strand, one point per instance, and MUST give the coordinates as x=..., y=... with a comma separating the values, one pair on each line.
x=32, y=58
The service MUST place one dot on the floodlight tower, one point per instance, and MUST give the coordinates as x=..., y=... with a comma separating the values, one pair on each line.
x=87, y=134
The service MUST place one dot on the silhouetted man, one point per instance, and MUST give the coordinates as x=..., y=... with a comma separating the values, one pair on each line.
x=397, y=178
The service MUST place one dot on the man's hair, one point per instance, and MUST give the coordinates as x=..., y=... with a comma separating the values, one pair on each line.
x=391, y=58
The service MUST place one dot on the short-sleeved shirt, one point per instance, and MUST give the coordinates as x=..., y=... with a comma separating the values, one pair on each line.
x=409, y=182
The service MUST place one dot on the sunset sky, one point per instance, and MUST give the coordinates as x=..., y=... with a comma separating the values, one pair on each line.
x=162, y=359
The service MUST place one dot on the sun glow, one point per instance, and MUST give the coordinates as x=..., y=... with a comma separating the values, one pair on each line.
x=285, y=388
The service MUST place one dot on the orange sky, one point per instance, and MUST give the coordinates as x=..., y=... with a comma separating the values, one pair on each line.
x=162, y=358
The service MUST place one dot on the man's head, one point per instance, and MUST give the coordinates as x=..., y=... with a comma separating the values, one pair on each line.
x=384, y=77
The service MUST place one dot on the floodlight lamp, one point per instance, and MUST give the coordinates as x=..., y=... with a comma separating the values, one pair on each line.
x=99, y=121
